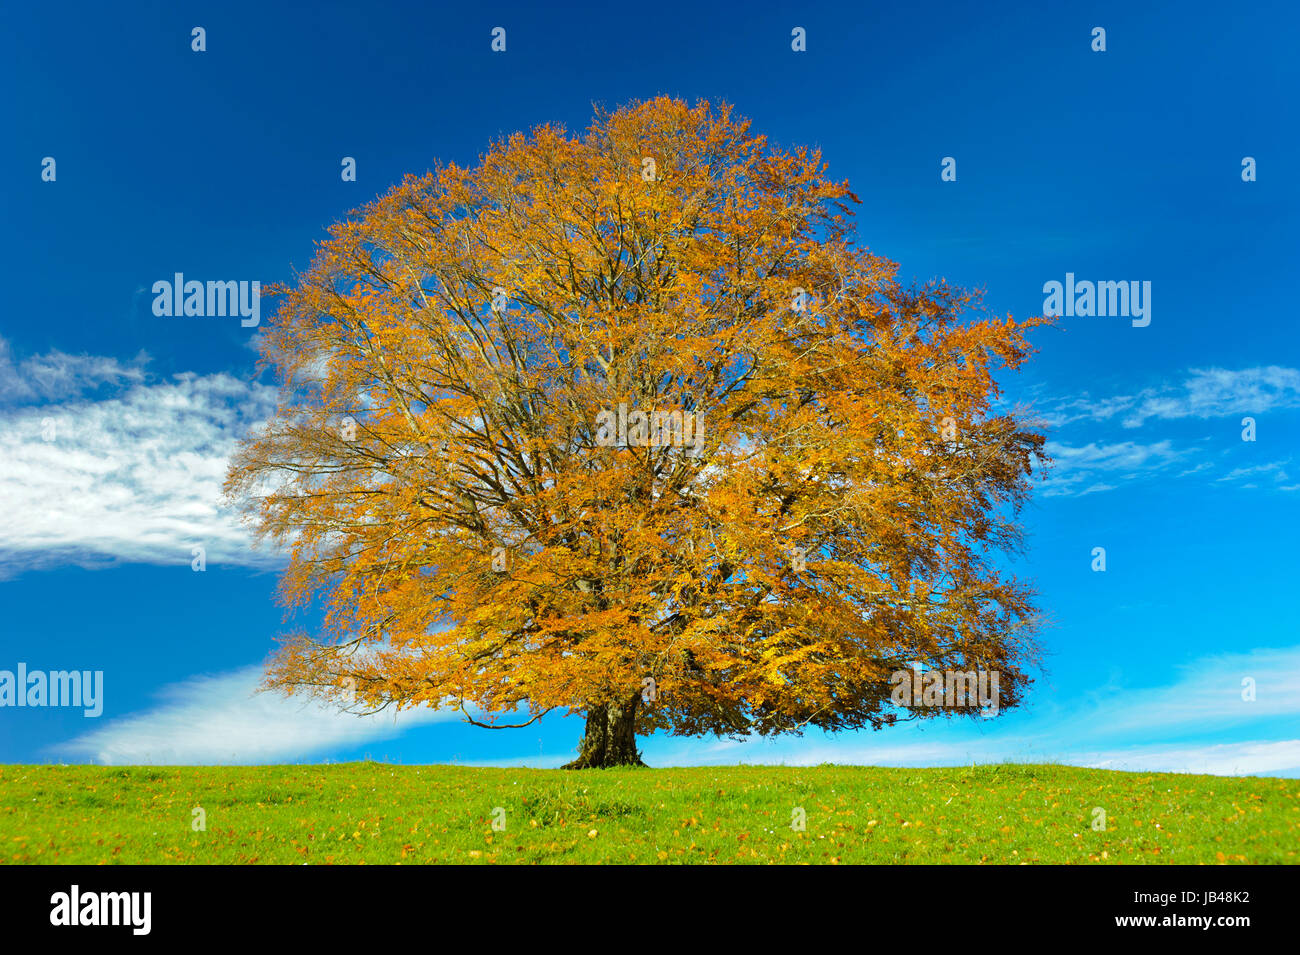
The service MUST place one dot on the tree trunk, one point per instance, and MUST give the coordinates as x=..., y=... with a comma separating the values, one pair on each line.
x=610, y=739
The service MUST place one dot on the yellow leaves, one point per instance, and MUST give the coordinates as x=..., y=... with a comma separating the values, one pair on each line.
x=475, y=440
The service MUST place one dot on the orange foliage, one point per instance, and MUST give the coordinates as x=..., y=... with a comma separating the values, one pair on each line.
x=823, y=533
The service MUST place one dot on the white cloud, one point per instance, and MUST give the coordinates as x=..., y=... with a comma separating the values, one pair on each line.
x=1254, y=758
x=1274, y=469
x=1122, y=456
x=1206, y=697
x=1077, y=470
x=1211, y=392
x=1097, y=489
x=223, y=720
x=57, y=375
x=1203, y=393
x=135, y=476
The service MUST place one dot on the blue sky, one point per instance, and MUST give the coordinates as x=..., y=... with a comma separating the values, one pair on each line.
x=224, y=164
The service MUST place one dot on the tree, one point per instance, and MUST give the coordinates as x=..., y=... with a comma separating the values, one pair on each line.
x=627, y=424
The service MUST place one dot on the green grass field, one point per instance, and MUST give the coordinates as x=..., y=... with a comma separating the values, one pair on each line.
x=380, y=813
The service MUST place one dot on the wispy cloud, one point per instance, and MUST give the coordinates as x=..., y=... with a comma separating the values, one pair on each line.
x=56, y=375
x=133, y=476
x=1080, y=470
x=1121, y=456
x=1253, y=758
x=1274, y=470
x=1203, y=393
x=1094, y=464
x=221, y=719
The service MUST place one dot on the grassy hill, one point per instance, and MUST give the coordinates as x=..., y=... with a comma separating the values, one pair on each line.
x=380, y=813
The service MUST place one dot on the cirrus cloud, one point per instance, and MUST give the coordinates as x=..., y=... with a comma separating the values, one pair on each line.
x=134, y=475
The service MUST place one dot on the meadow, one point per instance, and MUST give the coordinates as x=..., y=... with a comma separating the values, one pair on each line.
x=380, y=813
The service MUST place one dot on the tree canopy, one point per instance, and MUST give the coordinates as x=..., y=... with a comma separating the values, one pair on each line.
x=627, y=423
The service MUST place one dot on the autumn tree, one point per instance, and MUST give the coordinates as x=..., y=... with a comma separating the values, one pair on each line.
x=628, y=424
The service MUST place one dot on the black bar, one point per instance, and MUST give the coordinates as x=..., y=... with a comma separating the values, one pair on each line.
x=378, y=905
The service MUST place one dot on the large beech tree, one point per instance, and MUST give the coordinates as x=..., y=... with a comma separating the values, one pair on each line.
x=441, y=469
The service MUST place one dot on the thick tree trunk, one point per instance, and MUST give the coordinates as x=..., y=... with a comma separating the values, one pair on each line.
x=610, y=739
